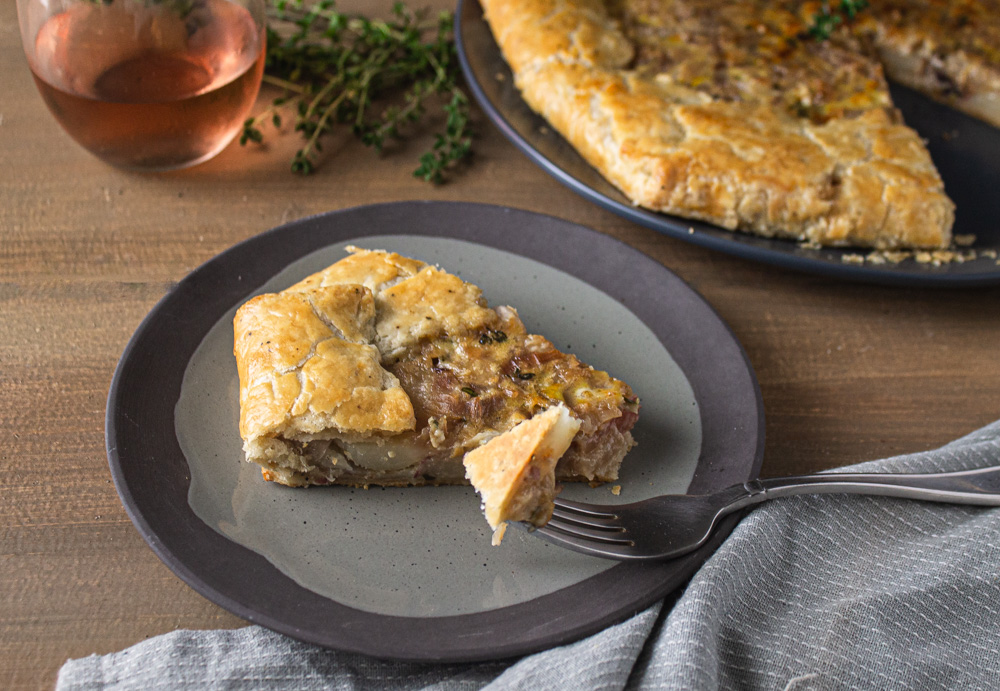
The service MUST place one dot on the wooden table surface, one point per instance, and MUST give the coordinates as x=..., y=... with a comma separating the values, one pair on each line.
x=849, y=372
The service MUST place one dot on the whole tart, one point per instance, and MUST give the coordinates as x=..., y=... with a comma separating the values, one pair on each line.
x=729, y=112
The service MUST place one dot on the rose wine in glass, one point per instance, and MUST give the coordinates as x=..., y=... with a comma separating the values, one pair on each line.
x=148, y=84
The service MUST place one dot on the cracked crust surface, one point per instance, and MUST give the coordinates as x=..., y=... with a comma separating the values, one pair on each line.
x=307, y=366
x=668, y=105
x=414, y=301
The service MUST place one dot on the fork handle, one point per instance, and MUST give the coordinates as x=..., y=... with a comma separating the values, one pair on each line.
x=980, y=486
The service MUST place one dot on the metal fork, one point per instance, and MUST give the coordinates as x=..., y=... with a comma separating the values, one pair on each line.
x=674, y=524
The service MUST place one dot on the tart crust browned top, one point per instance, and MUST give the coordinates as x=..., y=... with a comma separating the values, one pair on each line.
x=726, y=112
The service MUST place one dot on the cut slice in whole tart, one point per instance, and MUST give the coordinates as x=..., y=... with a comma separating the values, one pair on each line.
x=947, y=49
x=383, y=370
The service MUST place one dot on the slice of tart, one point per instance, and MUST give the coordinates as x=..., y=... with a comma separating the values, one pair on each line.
x=383, y=370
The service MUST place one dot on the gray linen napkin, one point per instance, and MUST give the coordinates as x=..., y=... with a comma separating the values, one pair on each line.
x=815, y=592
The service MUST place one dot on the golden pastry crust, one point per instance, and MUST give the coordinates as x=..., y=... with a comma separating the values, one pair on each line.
x=414, y=301
x=374, y=269
x=308, y=370
x=848, y=173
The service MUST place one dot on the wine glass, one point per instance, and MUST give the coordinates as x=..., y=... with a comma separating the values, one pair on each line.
x=146, y=84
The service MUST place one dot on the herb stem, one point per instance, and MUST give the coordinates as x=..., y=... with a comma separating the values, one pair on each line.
x=321, y=96
x=321, y=125
x=283, y=83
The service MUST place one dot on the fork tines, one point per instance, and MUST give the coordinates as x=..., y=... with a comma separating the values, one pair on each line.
x=587, y=522
x=585, y=509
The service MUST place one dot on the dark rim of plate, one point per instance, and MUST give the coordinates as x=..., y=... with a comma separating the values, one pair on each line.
x=965, y=150
x=152, y=478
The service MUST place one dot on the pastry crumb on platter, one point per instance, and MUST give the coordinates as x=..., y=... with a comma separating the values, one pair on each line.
x=929, y=257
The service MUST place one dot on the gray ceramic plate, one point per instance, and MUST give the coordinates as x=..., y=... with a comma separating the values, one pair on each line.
x=409, y=573
x=965, y=151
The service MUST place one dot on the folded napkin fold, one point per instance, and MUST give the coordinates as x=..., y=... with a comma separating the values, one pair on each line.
x=809, y=592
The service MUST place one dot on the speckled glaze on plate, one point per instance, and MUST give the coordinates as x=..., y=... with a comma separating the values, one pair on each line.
x=966, y=152
x=409, y=573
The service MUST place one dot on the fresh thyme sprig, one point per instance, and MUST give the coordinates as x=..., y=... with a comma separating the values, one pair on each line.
x=376, y=76
x=827, y=19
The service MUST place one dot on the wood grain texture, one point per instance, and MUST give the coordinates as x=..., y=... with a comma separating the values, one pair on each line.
x=849, y=372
